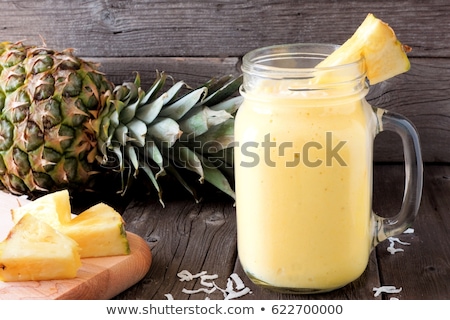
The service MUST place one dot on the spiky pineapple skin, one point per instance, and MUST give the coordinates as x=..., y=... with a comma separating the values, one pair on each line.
x=47, y=98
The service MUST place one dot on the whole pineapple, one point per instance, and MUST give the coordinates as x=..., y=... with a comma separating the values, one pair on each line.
x=62, y=123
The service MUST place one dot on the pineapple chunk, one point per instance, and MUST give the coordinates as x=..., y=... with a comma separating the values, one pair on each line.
x=384, y=55
x=53, y=209
x=34, y=250
x=99, y=231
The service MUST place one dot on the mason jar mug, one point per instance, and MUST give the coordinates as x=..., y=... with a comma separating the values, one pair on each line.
x=303, y=167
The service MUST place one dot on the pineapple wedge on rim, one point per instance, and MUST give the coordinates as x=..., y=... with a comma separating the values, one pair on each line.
x=33, y=250
x=384, y=55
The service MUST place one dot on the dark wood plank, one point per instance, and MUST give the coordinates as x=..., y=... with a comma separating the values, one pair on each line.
x=423, y=269
x=194, y=71
x=183, y=236
x=119, y=28
x=422, y=96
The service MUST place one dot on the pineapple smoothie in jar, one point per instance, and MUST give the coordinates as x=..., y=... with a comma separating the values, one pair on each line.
x=303, y=167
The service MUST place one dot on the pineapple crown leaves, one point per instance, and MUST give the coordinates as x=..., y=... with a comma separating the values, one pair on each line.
x=159, y=133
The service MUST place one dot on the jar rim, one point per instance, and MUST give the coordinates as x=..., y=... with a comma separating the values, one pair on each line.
x=291, y=70
x=287, y=60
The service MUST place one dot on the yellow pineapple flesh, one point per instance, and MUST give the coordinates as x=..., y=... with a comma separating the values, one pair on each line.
x=53, y=209
x=376, y=42
x=33, y=250
x=99, y=231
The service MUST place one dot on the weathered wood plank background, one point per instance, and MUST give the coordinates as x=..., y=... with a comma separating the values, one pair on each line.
x=198, y=39
x=195, y=40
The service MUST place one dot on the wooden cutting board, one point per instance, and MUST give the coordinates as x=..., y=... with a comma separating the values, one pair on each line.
x=98, y=278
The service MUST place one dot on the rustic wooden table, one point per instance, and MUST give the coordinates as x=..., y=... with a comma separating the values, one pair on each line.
x=201, y=237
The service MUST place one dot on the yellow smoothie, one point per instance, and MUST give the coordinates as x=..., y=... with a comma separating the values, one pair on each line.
x=303, y=188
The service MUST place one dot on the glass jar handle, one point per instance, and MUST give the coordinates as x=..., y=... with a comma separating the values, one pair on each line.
x=388, y=227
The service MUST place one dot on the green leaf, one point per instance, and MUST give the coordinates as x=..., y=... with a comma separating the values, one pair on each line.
x=186, y=159
x=148, y=171
x=214, y=176
x=137, y=80
x=216, y=138
x=217, y=179
x=104, y=128
x=152, y=151
x=126, y=92
x=230, y=105
x=201, y=119
x=224, y=92
x=156, y=86
x=121, y=134
x=117, y=151
x=164, y=130
x=150, y=111
x=215, y=84
x=132, y=156
x=172, y=92
x=114, y=117
x=180, y=107
x=129, y=112
x=137, y=131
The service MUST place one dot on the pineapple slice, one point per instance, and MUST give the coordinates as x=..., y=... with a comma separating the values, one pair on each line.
x=99, y=231
x=34, y=250
x=385, y=57
x=53, y=209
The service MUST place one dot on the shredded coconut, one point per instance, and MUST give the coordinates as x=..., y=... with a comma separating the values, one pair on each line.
x=187, y=291
x=393, y=250
x=168, y=296
x=237, y=294
x=392, y=241
x=239, y=283
x=409, y=230
x=204, y=278
x=235, y=282
x=386, y=289
x=185, y=275
x=235, y=286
